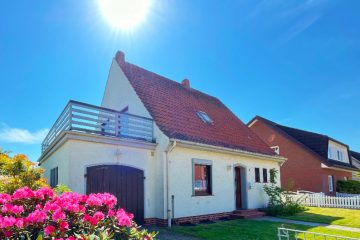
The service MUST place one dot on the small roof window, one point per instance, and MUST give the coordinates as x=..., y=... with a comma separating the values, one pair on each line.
x=203, y=116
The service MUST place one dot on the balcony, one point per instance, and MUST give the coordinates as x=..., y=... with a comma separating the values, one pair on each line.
x=86, y=118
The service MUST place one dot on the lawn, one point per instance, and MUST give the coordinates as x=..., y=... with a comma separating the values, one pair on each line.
x=250, y=229
x=335, y=216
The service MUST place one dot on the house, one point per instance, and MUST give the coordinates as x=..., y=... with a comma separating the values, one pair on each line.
x=355, y=158
x=314, y=161
x=167, y=151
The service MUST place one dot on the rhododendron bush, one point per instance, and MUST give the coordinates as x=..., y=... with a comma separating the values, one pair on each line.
x=40, y=214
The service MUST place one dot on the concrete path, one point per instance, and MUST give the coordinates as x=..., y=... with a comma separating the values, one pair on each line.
x=311, y=224
x=165, y=234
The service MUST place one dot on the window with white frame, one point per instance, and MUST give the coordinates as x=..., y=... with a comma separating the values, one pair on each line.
x=331, y=183
x=202, y=177
x=340, y=155
x=276, y=149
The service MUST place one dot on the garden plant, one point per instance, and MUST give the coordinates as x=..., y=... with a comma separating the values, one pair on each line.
x=41, y=214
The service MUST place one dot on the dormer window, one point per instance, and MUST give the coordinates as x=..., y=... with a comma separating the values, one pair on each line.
x=339, y=155
x=276, y=149
x=204, y=117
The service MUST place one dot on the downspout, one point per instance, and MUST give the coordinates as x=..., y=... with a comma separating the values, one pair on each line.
x=170, y=147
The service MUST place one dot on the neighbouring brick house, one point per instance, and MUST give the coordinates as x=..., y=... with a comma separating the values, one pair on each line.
x=355, y=158
x=315, y=161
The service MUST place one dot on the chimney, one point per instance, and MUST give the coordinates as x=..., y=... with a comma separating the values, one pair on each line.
x=120, y=57
x=185, y=83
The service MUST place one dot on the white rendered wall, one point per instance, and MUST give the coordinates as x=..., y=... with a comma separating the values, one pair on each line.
x=58, y=159
x=223, y=182
x=119, y=94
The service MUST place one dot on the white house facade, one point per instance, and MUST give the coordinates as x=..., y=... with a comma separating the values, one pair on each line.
x=167, y=151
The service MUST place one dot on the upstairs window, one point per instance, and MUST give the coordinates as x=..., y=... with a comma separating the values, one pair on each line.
x=276, y=149
x=204, y=117
x=265, y=175
x=257, y=175
x=340, y=155
x=54, y=177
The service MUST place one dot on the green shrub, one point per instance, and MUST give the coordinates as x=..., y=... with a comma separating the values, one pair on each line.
x=280, y=202
x=61, y=188
x=348, y=186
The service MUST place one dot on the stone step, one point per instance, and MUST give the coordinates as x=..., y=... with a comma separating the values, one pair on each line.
x=246, y=214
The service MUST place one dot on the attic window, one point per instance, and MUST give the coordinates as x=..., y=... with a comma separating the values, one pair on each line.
x=203, y=116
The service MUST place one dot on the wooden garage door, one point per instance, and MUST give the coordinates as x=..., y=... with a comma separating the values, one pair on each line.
x=126, y=183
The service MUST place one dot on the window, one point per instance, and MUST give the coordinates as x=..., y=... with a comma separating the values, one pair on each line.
x=257, y=174
x=203, y=116
x=265, y=175
x=345, y=178
x=331, y=183
x=54, y=177
x=202, y=177
x=276, y=149
x=339, y=155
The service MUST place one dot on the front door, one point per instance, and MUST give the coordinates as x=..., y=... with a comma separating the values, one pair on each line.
x=126, y=183
x=238, y=187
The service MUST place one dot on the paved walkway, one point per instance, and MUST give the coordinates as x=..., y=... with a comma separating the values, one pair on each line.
x=165, y=234
x=311, y=224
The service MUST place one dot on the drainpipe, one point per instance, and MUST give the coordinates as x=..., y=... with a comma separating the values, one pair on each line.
x=170, y=147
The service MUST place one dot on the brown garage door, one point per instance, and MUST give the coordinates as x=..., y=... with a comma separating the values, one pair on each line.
x=126, y=183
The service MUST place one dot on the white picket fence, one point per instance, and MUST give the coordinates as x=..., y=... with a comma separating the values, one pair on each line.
x=347, y=195
x=320, y=200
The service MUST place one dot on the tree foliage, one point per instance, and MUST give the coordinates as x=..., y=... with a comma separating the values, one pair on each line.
x=18, y=171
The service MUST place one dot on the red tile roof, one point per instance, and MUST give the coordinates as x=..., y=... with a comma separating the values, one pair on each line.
x=173, y=107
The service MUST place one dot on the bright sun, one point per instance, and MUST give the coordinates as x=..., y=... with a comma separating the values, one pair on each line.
x=124, y=14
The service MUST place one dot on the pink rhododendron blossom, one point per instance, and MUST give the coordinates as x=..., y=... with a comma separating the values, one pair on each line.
x=48, y=230
x=58, y=215
x=124, y=218
x=44, y=192
x=99, y=216
x=111, y=213
x=36, y=217
x=23, y=193
x=6, y=222
x=63, y=226
x=19, y=223
x=61, y=216
x=8, y=234
x=4, y=198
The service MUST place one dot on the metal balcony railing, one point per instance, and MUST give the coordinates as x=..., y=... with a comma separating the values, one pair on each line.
x=83, y=117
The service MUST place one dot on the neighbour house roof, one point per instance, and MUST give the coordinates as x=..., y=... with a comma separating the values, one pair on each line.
x=355, y=155
x=175, y=109
x=313, y=142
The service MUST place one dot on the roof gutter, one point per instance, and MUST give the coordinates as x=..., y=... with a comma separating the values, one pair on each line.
x=208, y=147
x=338, y=168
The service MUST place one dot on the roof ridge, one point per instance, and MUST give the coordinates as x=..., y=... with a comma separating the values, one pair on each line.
x=191, y=90
x=298, y=129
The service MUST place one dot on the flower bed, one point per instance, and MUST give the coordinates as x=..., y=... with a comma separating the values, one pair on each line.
x=41, y=214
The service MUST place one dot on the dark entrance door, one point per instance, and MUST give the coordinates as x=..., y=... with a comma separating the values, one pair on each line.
x=238, y=187
x=126, y=183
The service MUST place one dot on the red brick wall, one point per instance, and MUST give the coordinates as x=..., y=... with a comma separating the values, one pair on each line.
x=302, y=167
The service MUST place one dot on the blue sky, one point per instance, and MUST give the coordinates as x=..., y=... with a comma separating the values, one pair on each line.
x=294, y=62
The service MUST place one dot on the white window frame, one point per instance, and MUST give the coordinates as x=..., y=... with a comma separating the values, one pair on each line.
x=331, y=183
x=276, y=149
x=202, y=162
